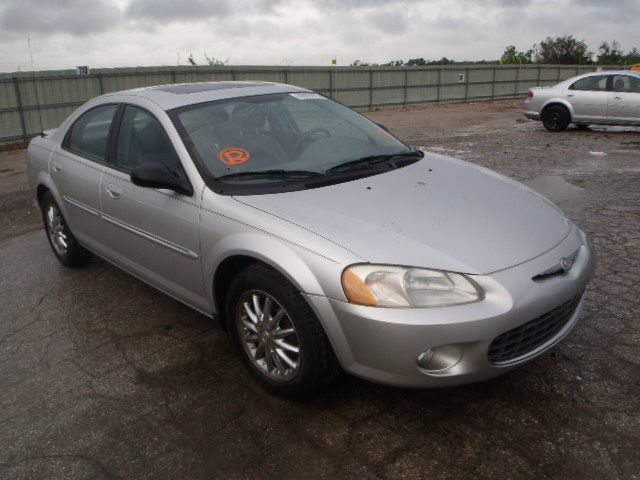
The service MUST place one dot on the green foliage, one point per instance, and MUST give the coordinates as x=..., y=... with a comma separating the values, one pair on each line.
x=513, y=56
x=191, y=60
x=633, y=56
x=565, y=50
x=610, y=54
x=214, y=62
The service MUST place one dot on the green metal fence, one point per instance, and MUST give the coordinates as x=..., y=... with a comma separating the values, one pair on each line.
x=29, y=99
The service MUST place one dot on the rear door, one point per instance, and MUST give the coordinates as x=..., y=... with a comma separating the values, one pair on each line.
x=152, y=232
x=624, y=100
x=588, y=97
x=76, y=169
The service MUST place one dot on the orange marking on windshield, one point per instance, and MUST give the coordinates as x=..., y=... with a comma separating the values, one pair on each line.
x=234, y=156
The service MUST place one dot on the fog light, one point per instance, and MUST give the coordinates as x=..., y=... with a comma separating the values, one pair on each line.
x=439, y=358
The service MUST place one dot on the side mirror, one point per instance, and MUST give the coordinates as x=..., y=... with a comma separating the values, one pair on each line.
x=154, y=175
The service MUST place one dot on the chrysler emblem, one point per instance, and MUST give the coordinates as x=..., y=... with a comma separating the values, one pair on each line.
x=566, y=263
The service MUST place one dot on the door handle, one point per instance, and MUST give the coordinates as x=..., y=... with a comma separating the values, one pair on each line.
x=570, y=94
x=618, y=98
x=113, y=191
x=56, y=167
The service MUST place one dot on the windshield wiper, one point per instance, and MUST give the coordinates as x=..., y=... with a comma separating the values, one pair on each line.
x=371, y=160
x=271, y=173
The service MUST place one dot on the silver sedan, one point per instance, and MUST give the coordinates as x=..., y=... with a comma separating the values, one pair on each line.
x=604, y=98
x=319, y=240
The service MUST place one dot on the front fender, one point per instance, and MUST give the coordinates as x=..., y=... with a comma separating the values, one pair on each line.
x=308, y=271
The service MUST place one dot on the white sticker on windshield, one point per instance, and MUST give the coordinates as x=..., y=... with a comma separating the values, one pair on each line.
x=307, y=96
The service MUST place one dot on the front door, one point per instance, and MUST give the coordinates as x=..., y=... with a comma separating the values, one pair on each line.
x=153, y=233
x=624, y=100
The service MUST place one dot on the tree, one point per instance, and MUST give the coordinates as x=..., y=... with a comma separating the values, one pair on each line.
x=191, y=60
x=416, y=62
x=394, y=63
x=442, y=61
x=359, y=63
x=633, y=56
x=513, y=56
x=214, y=62
x=565, y=50
x=610, y=54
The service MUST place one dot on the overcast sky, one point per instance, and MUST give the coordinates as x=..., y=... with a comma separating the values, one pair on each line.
x=106, y=33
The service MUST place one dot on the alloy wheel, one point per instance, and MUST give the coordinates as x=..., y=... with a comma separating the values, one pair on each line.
x=56, y=229
x=268, y=335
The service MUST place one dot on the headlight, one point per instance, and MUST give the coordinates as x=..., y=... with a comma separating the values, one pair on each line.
x=389, y=286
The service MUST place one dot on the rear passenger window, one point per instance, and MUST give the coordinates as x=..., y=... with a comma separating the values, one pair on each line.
x=142, y=139
x=89, y=134
x=596, y=83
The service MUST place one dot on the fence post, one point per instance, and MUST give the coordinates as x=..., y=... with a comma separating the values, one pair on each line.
x=100, y=85
x=330, y=72
x=466, y=84
x=233, y=74
x=515, y=89
x=406, y=83
x=19, y=106
x=538, y=76
x=286, y=75
x=439, y=84
x=370, y=89
x=173, y=76
x=493, y=85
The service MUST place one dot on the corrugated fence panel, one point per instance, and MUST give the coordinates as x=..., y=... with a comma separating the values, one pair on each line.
x=47, y=98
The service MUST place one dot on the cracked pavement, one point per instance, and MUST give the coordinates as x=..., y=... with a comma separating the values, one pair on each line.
x=101, y=376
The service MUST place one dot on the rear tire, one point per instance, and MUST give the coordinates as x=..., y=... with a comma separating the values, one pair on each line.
x=280, y=340
x=556, y=118
x=64, y=245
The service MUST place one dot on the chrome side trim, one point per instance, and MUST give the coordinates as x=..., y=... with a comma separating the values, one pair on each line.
x=81, y=206
x=149, y=236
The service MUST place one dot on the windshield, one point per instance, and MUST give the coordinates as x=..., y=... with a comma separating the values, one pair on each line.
x=269, y=138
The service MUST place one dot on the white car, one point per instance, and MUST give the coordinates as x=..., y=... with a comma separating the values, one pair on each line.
x=603, y=98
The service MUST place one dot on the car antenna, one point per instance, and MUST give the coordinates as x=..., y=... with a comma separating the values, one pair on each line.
x=35, y=87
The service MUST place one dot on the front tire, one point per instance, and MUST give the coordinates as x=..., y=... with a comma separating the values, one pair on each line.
x=278, y=336
x=64, y=245
x=556, y=118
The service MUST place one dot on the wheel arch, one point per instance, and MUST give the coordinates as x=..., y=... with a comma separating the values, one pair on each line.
x=557, y=101
x=236, y=252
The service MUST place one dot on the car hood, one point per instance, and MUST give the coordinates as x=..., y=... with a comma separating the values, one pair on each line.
x=440, y=212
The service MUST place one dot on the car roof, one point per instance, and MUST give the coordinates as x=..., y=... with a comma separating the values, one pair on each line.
x=176, y=95
x=603, y=72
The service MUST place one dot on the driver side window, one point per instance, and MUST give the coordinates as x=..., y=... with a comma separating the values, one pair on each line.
x=142, y=139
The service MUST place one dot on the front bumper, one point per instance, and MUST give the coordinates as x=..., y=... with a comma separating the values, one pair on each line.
x=383, y=344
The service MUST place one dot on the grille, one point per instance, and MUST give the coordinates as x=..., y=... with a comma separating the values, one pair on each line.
x=524, y=339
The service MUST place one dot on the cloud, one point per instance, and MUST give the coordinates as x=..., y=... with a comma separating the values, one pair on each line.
x=304, y=32
x=167, y=11
x=74, y=17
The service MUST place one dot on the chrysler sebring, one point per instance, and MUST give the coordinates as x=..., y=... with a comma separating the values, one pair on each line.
x=602, y=98
x=321, y=241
